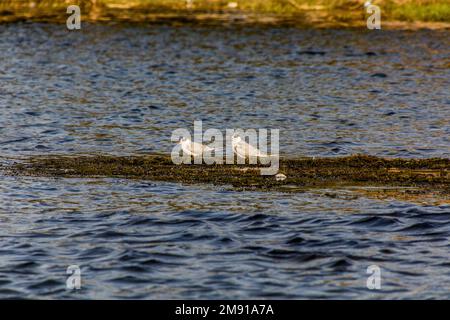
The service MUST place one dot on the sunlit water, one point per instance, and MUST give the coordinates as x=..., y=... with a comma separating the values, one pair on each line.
x=123, y=89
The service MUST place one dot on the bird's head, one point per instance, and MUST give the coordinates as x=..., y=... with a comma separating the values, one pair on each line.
x=183, y=139
x=236, y=138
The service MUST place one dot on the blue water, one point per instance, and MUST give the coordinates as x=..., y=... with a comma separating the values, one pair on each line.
x=121, y=90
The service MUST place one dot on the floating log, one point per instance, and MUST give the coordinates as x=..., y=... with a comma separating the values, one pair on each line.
x=301, y=173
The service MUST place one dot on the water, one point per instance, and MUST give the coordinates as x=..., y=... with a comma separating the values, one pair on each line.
x=121, y=90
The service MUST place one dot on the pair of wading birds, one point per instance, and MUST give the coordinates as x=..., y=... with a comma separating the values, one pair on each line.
x=240, y=147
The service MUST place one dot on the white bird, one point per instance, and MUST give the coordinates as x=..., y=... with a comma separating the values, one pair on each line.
x=193, y=148
x=245, y=150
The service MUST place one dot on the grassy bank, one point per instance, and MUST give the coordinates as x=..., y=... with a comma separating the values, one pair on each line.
x=318, y=13
x=364, y=174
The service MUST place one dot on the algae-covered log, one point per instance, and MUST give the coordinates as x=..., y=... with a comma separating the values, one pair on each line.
x=301, y=173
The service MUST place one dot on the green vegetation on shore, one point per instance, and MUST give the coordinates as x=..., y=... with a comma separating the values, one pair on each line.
x=298, y=12
x=411, y=11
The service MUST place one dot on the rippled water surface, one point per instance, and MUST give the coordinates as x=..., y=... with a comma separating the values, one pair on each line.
x=121, y=90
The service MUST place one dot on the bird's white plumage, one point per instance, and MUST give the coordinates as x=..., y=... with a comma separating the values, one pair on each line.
x=245, y=150
x=193, y=148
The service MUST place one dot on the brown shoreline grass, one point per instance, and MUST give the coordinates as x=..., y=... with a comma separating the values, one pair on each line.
x=301, y=13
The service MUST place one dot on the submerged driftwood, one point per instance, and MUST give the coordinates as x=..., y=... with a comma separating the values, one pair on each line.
x=424, y=181
x=301, y=173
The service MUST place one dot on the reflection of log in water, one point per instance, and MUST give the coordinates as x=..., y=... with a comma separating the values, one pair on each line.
x=303, y=173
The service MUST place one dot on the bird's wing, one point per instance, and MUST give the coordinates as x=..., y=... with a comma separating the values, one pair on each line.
x=241, y=150
x=253, y=151
x=207, y=148
x=197, y=148
x=186, y=149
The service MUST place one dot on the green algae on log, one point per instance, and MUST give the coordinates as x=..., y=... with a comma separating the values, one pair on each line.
x=302, y=173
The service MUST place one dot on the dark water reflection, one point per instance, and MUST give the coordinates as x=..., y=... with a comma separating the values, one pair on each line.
x=122, y=90
x=144, y=240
